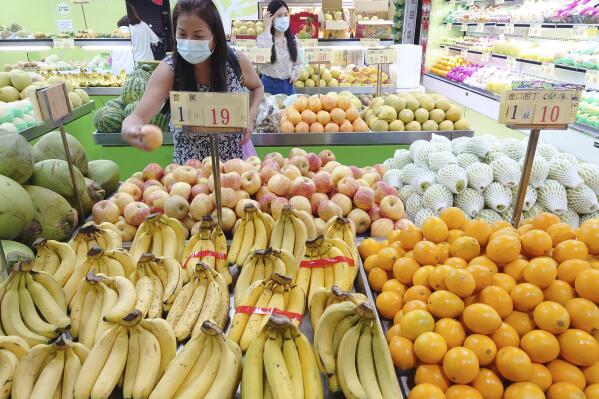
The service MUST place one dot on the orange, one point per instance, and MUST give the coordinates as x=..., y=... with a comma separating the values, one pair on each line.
x=414, y=304
x=388, y=303
x=584, y=314
x=452, y=332
x=431, y=374
x=587, y=284
x=484, y=260
x=521, y=322
x=579, y=347
x=540, y=376
x=443, y=251
x=513, y=364
x=453, y=217
x=564, y=390
x=592, y=374
x=430, y=348
x=504, y=281
x=402, y=352
x=503, y=249
x=482, y=275
x=410, y=236
x=469, y=300
x=562, y=371
x=465, y=247
x=592, y=391
x=419, y=292
x=501, y=224
x=524, y=228
x=426, y=391
x=397, y=319
x=552, y=317
x=386, y=258
x=479, y=229
x=543, y=220
x=443, y=304
x=404, y=269
x=453, y=235
x=483, y=346
x=569, y=269
x=516, y=269
x=481, y=318
x=371, y=262
x=507, y=231
x=523, y=390
x=394, y=285
x=421, y=275
x=536, y=243
x=589, y=234
x=393, y=236
x=368, y=246
x=558, y=291
x=540, y=271
x=505, y=335
x=426, y=253
x=384, y=244
x=377, y=278
x=394, y=331
x=434, y=229
x=460, y=365
x=462, y=392
x=497, y=298
x=456, y=262
x=560, y=232
x=540, y=346
x=416, y=322
x=526, y=296
x=488, y=384
x=396, y=245
x=570, y=249
x=436, y=278
x=460, y=282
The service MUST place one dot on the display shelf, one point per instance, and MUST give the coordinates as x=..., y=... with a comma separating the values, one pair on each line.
x=103, y=91
x=41, y=129
x=116, y=140
x=90, y=43
x=338, y=89
x=545, y=25
x=26, y=42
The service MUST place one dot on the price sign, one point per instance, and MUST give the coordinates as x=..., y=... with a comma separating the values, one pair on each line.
x=449, y=26
x=592, y=31
x=51, y=103
x=308, y=42
x=580, y=31
x=510, y=62
x=64, y=43
x=470, y=3
x=464, y=53
x=538, y=107
x=485, y=56
x=464, y=28
x=318, y=55
x=209, y=110
x=257, y=55
x=509, y=28
x=376, y=56
x=499, y=1
x=446, y=50
x=245, y=43
x=591, y=77
x=535, y=30
x=480, y=27
x=548, y=68
x=370, y=42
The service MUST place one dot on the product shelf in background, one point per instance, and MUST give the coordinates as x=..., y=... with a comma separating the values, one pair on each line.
x=92, y=44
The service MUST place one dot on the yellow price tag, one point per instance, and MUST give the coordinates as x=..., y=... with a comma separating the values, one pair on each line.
x=308, y=42
x=592, y=31
x=580, y=31
x=548, y=68
x=485, y=56
x=591, y=77
x=209, y=110
x=480, y=27
x=509, y=28
x=318, y=55
x=370, y=42
x=535, y=30
x=464, y=53
x=257, y=55
x=245, y=43
x=375, y=56
x=64, y=42
x=539, y=107
x=464, y=28
x=510, y=62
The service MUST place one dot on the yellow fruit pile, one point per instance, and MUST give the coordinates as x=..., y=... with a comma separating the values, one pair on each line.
x=477, y=305
x=446, y=64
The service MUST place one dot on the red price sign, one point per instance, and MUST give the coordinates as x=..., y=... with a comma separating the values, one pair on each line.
x=218, y=110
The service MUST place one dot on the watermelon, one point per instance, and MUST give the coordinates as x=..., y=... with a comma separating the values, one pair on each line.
x=109, y=119
x=115, y=103
x=133, y=88
x=130, y=107
x=161, y=120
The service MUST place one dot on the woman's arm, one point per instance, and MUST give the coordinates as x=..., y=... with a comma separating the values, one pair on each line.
x=157, y=91
x=254, y=85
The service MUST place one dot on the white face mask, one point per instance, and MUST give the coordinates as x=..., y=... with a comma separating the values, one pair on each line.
x=194, y=51
x=282, y=24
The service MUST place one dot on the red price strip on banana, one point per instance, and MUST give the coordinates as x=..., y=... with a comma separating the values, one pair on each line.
x=326, y=262
x=202, y=254
x=268, y=311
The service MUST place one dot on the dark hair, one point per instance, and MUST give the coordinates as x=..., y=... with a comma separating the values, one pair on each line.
x=272, y=8
x=124, y=21
x=132, y=14
x=221, y=55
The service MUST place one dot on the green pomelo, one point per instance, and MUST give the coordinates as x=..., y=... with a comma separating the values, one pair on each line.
x=430, y=125
x=412, y=126
x=437, y=115
x=446, y=125
x=16, y=209
x=454, y=113
x=106, y=173
x=421, y=115
x=50, y=146
x=461, y=124
x=380, y=126
x=53, y=174
x=397, y=126
x=16, y=158
x=406, y=115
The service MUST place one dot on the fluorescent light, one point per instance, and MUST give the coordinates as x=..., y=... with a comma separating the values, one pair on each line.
x=104, y=47
x=24, y=48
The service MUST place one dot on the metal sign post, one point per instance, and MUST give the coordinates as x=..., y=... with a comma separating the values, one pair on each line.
x=379, y=56
x=4, y=271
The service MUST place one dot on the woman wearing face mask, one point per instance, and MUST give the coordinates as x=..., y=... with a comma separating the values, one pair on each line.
x=202, y=62
x=284, y=67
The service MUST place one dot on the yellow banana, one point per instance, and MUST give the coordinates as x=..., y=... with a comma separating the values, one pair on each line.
x=126, y=299
x=366, y=367
x=209, y=307
x=311, y=377
x=109, y=300
x=28, y=370
x=14, y=344
x=252, y=383
x=294, y=367
x=181, y=302
x=30, y=315
x=113, y=367
x=170, y=245
x=323, y=335
x=149, y=361
x=385, y=371
x=144, y=290
x=166, y=339
x=276, y=370
x=247, y=244
x=53, y=288
x=202, y=368
x=245, y=277
x=258, y=294
x=288, y=243
x=308, y=221
x=227, y=377
x=90, y=319
x=236, y=244
x=190, y=315
x=72, y=367
x=346, y=364
x=301, y=236
x=50, y=377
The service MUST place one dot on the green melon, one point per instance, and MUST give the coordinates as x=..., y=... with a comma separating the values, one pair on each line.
x=53, y=174
x=16, y=251
x=16, y=158
x=106, y=173
x=16, y=209
x=50, y=146
x=109, y=119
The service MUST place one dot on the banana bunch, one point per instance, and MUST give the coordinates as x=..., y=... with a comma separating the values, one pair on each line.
x=343, y=229
x=12, y=350
x=135, y=350
x=260, y=265
x=33, y=305
x=157, y=282
x=324, y=297
x=273, y=293
x=207, y=367
x=351, y=349
x=280, y=364
x=324, y=265
x=99, y=302
x=54, y=257
x=253, y=233
x=209, y=246
x=159, y=235
x=113, y=262
x=49, y=371
x=204, y=297
x=290, y=233
x=104, y=235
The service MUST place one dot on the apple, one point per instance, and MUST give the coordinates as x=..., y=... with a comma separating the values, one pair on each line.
x=121, y=200
x=254, y=162
x=403, y=224
x=348, y=186
x=261, y=191
x=235, y=165
x=280, y=185
x=364, y=198
x=188, y=222
x=310, y=175
x=375, y=213
x=199, y=188
x=276, y=206
x=127, y=231
x=300, y=203
x=356, y=172
x=150, y=190
x=269, y=169
x=229, y=219
x=327, y=209
x=371, y=178
x=381, y=228
x=392, y=207
x=152, y=182
x=326, y=156
x=136, y=212
x=360, y=219
x=106, y=211
x=137, y=176
x=321, y=226
x=231, y=180
x=176, y=206
x=186, y=174
x=194, y=163
x=296, y=152
x=275, y=156
x=303, y=186
x=200, y=206
x=250, y=181
x=381, y=169
x=340, y=172
x=315, y=200
x=382, y=189
x=343, y=202
x=362, y=183
x=156, y=200
x=369, y=169
x=301, y=163
x=131, y=189
x=153, y=171
x=139, y=183
x=291, y=171
x=239, y=208
x=265, y=200
x=207, y=166
x=181, y=189
x=170, y=168
x=330, y=166
x=228, y=198
x=314, y=162
x=323, y=182
x=168, y=181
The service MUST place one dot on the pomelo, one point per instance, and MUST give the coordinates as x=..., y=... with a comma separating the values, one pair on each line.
x=16, y=209
x=16, y=158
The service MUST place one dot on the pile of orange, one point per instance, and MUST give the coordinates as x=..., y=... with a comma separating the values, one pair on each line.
x=486, y=311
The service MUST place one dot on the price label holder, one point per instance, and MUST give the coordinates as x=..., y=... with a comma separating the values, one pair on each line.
x=485, y=56
x=591, y=77
x=580, y=31
x=464, y=53
x=548, y=68
x=464, y=28
x=257, y=55
x=211, y=114
x=480, y=28
x=370, y=43
x=536, y=109
x=379, y=57
x=511, y=62
x=308, y=43
x=449, y=26
x=535, y=30
x=245, y=43
x=63, y=42
x=446, y=50
x=318, y=55
x=509, y=28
